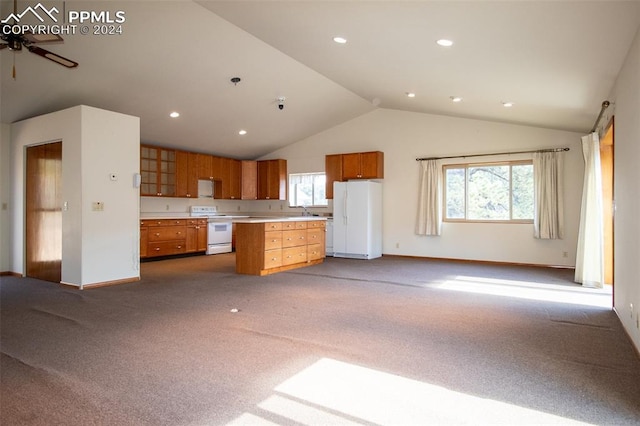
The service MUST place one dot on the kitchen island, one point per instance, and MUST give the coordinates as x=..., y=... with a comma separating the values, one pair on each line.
x=269, y=245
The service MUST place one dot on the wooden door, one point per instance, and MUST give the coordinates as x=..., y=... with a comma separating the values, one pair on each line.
x=606, y=166
x=44, y=212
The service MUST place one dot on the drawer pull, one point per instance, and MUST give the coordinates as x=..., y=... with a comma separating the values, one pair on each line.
x=274, y=258
x=289, y=257
x=157, y=249
x=157, y=234
x=274, y=241
x=178, y=233
x=159, y=223
x=179, y=247
x=289, y=239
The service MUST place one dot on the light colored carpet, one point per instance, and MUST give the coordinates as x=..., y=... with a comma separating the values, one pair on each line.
x=388, y=341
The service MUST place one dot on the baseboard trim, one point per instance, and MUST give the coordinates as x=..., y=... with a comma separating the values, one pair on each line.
x=633, y=345
x=10, y=274
x=101, y=284
x=486, y=262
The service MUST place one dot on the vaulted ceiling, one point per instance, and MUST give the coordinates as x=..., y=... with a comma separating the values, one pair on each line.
x=555, y=60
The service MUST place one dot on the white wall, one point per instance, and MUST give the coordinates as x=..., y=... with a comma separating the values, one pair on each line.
x=405, y=136
x=626, y=100
x=96, y=246
x=5, y=162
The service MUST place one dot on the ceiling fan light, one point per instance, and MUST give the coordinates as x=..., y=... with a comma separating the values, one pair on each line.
x=340, y=40
x=174, y=114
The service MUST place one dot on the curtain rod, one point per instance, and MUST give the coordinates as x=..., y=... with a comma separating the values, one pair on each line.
x=495, y=153
x=605, y=105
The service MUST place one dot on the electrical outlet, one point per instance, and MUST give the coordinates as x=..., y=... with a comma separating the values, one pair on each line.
x=565, y=254
x=167, y=208
x=269, y=206
x=281, y=206
x=4, y=206
x=238, y=208
x=397, y=245
x=97, y=206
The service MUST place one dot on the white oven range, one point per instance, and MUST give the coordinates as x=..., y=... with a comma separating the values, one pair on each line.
x=219, y=229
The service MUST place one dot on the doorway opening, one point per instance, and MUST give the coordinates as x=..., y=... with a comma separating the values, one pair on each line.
x=43, y=211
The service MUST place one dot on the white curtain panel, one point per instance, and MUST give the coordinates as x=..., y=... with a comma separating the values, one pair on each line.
x=590, y=251
x=548, y=172
x=429, y=221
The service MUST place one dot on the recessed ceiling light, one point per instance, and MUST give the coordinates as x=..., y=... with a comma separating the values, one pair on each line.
x=340, y=40
x=444, y=42
x=411, y=95
x=174, y=114
x=456, y=99
x=507, y=104
x=242, y=132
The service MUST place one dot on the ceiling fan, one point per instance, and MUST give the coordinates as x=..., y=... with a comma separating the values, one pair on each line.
x=15, y=42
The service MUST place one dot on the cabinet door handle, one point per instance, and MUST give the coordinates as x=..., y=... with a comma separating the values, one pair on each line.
x=179, y=247
x=157, y=249
x=157, y=234
x=273, y=241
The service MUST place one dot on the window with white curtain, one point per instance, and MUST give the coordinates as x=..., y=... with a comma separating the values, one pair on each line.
x=489, y=192
x=307, y=189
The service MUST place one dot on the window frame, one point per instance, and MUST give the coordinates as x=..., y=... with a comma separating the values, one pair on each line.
x=292, y=192
x=466, y=166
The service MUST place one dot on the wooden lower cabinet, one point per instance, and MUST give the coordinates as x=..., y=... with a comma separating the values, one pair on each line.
x=163, y=237
x=268, y=247
x=196, y=235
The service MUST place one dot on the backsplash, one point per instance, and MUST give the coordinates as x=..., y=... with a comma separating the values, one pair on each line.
x=164, y=206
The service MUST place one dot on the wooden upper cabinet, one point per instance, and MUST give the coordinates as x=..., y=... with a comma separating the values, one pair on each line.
x=186, y=174
x=272, y=180
x=230, y=177
x=333, y=172
x=158, y=171
x=357, y=165
x=363, y=165
x=205, y=166
x=249, y=180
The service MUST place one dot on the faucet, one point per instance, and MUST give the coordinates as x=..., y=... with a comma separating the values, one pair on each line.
x=305, y=212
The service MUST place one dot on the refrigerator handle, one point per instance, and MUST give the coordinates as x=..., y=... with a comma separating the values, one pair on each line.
x=344, y=209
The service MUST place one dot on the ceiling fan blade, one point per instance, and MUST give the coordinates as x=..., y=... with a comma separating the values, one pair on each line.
x=53, y=57
x=2, y=46
x=41, y=38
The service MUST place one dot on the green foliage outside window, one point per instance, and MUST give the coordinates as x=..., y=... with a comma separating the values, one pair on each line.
x=489, y=192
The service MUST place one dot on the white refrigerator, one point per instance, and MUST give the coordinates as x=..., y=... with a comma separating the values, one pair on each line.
x=357, y=219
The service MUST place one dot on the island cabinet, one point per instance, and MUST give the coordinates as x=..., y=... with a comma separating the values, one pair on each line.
x=264, y=248
x=163, y=237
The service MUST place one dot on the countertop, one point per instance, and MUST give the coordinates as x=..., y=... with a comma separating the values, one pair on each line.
x=265, y=219
x=233, y=218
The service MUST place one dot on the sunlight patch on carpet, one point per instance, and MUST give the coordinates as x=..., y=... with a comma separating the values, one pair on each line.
x=335, y=392
x=531, y=291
